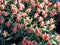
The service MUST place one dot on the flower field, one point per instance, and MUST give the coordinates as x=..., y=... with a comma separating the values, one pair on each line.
x=28, y=22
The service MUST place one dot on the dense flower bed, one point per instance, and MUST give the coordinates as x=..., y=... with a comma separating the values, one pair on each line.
x=30, y=21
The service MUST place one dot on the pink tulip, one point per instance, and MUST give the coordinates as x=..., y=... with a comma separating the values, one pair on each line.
x=8, y=24
x=38, y=10
x=52, y=20
x=19, y=26
x=47, y=22
x=21, y=6
x=5, y=13
x=28, y=10
x=1, y=1
x=14, y=10
x=51, y=14
x=41, y=23
x=51, y=27
x=1, y=20
x=40, y=18
x=24, y=14
x=34, y=4
x=50, y=3
x=2, y=6
x=14, y=29
x=36, y=15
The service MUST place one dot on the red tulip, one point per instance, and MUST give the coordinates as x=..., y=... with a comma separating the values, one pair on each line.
x=45, y=36
x=30, y=29
x=37, y=31
x=29, y=43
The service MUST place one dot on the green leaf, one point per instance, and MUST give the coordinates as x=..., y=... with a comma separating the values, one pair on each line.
x=54, y=42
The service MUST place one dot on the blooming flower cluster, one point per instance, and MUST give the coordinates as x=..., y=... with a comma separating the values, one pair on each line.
x=32, y=16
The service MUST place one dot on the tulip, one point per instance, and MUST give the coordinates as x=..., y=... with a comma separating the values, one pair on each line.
x=45, y=36
x=40, y=18
x=2, y=6
x=21, y=6
x=50, y=3
x=30, y=29
x=28, y=10
x=8, y=24
x=41, y=23
x=52, y=20
x=15, y=2
x=47, y=22
x=29, y=43
x=38, y=10
x=1, y=1
x=1, y=20
x=34, y=43
x=37, y=31
x=49, y=43
x=14, y=29
x=36, y=15
x=5, y=13
x=51, y=27
x=24, y=14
